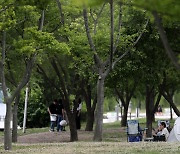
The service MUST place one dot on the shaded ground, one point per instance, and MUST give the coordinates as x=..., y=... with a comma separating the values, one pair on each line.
x=55, y=137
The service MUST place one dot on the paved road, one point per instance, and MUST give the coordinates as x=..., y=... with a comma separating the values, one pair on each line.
x=112, y=116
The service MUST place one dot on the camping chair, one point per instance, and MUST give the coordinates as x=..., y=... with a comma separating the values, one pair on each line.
x=134, y=132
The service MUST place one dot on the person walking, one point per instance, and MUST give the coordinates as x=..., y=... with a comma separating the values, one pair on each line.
x=52, y=109
x=60, y=114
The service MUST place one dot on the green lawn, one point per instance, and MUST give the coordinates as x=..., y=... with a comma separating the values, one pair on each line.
x=95, y=147
x=114, y=141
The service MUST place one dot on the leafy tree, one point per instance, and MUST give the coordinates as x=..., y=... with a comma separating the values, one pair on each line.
x=32, y=41
x=108, y=60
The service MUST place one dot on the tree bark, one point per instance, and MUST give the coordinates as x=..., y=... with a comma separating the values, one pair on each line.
x=90, y=121
x=90, y=110
x=99, y=109
x=7, y=129
x=124, y=117
x=72, y=125
x=87, y=94
x=149, y=109
x=15, y=119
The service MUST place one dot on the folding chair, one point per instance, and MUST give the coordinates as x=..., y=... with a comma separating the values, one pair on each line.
x=134, y=132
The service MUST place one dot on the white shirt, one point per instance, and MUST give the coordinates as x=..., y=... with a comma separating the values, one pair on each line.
x=79, y=107
x=165, y=132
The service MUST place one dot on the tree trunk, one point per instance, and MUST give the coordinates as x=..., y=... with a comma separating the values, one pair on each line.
x=99, y=109
x=7, y=129
x=72, y=121
x=15, y=119
x=90, y=121
x=90, y=108
x=72, y=127
x=149, y=110
x=124, y=117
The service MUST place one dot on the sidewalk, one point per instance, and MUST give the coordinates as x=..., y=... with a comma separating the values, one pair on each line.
x=112, y=116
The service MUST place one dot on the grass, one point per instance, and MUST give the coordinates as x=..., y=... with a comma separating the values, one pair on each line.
x=95, y=147
x=114, y=141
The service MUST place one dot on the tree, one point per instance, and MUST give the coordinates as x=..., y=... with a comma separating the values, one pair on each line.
x=32, y=42
x=105, y=66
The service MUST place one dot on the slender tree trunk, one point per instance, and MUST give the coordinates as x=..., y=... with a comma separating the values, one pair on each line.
x=72, y=126
x=15, y=119
x=72, y=120
x=171, y=115
x=90, y=113
x=124, y=117
x=149, y=110
x=7, y=129
x=90, y=108
x=90, y=121
x=99, y=109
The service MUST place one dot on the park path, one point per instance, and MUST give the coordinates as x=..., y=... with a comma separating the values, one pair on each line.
x=55, y=137
x=51, y=137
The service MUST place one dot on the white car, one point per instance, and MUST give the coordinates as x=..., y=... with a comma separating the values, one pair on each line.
x=2, y=110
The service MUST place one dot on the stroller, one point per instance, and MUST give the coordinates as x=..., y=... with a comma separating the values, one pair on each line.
x=134, y=132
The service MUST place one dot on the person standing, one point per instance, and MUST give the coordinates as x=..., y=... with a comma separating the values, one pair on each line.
x=78, y=115
x=60, y=114
x=52, y=109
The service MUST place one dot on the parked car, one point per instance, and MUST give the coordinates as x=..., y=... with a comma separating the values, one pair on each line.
x=2, y=110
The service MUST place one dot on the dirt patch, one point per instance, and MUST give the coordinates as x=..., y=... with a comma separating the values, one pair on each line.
x=52, y=137
x=55, y=137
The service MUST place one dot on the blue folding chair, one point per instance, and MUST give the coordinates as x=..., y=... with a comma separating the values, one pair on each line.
x=134, y=132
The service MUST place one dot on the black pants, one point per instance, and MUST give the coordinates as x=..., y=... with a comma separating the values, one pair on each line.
x=78, y=121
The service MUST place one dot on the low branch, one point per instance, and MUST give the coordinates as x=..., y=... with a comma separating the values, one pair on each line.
x=165, y=41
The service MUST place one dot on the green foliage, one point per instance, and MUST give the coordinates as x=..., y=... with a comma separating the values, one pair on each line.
x=167, y=8
x=88, y=2
x=37, y=114
x=37, y=41
x=7, y=15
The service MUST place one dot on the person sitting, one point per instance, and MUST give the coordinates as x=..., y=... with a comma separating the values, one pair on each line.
x=162, y=134
x=159, y=110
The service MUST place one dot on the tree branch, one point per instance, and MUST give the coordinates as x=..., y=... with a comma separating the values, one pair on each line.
x=60, y=11
x=119, y=29
x=98, y=15
x=165, y=41
x=92, y=46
